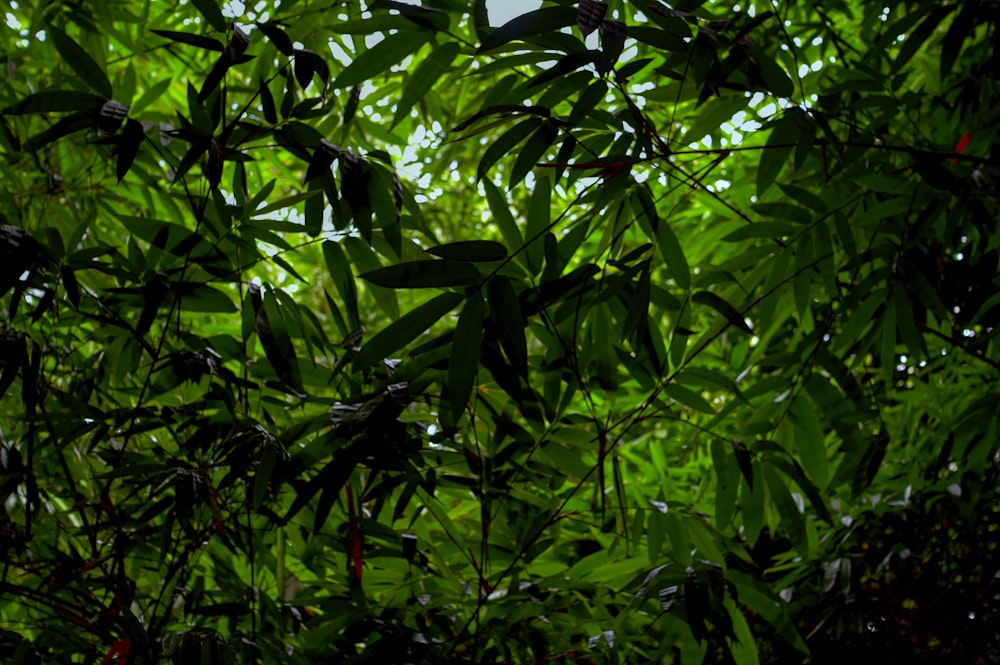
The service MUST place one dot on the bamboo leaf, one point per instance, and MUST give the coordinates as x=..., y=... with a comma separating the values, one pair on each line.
x=430, y=273
x=722, y=307
x=81, y=62
x=424, y=78
x=466, y=347
x=547, y=19
x=404, y=330
x=470, y=250
x=507, y=320
x=199, y=41
x=210, y=10
x=381, y=57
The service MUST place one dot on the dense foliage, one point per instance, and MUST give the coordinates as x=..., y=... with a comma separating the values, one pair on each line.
x=621, y=332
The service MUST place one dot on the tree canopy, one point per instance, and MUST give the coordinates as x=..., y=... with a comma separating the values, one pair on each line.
x=619, y=332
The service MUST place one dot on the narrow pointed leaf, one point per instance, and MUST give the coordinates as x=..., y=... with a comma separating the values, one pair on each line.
x=424, y=78
x=405, y=329
x=718, y=304
x=81, y=62
x=470, y=250
x=56, y=101
x=381, y=57
x=505, y=314
x=547, y=19
x=212, y=13
x=199, y=41
x=466, y=347
x=277, y=36
x=428, y=273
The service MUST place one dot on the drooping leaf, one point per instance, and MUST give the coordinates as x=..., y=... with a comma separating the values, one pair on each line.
x=128, y=147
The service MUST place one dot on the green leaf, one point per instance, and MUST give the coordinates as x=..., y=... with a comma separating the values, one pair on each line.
x=422, y=274
x=670, y=249
x=760, y=230
x=340, y=270
x=860, y=319
x=532, y=152
x=507, y=142
x=153, y=93
x=466, y=347
x=210, y=10
x=382, y=56
x=262, y=478
x=777, y=80
x=792, y=520
x=775, y=153
x=688, y=398
x=759, y=598
x=424, y=78
x=268, y=108
x=810, y=442
x=961, y=29
x=783, y=211
x=364, y=259
x=752, y=502
x=547, y=19
x=502, y=216
x=204, y=298
x=711, y=115
x=722, y=307
x=278, y=37
x=727, y=471
x=286, y=202
x=917, y=36
x=200, y=41
x=787, y=464
x=56, y=101
x=404, y=330
x=656, y=532
x=507, y=320
x=470, y=250
x=906, y=324
x=81, y=62
x=539, y=209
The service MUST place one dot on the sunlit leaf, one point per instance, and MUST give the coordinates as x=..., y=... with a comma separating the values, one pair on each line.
x=380, y=57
